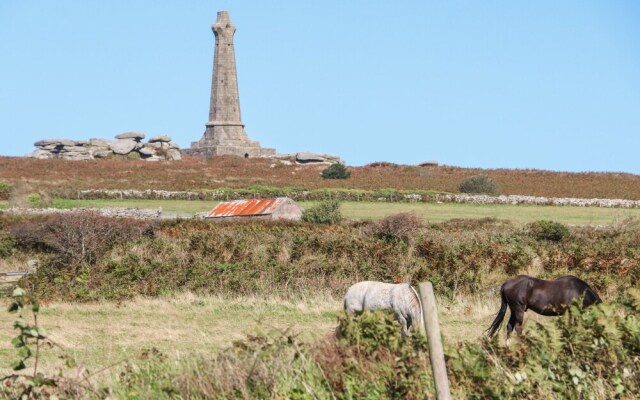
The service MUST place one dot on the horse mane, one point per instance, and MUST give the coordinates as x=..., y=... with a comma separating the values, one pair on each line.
x=417, y=297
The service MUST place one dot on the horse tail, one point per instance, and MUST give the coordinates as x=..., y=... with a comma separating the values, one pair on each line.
x=422, y=327
x=495, y=325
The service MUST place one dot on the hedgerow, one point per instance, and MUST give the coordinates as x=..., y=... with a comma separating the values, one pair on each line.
x=118, y=258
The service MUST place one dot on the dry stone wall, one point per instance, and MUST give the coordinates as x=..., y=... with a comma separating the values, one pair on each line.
x=127, y=145
x=536, y=200
x=407, y=197
x=140, y=213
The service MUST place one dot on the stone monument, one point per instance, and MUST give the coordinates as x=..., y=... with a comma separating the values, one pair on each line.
x=224, y=134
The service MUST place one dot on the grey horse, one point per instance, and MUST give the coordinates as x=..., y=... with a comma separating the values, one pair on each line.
x=400, y=298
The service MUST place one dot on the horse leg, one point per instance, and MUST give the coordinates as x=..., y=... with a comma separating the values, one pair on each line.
x=516, y=319
x=519, y=322
x=510, y=326
x=403, y=323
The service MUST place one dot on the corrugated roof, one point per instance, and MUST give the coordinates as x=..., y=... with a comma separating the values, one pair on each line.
x=245, y=208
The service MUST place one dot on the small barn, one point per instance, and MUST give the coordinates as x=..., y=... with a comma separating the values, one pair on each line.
x=270, y=209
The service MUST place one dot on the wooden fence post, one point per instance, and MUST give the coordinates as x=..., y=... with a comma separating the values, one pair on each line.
x=436, y=352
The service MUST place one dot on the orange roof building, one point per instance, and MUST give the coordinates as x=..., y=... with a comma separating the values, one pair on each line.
x=273, y=209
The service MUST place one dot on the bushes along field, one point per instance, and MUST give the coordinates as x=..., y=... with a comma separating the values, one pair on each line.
x=85, y=257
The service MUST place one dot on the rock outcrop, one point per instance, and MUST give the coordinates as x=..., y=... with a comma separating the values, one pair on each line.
x=306, y=157
x=127, y=145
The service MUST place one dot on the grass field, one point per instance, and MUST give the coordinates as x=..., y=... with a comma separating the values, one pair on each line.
x=103, y=334
x=432, y=212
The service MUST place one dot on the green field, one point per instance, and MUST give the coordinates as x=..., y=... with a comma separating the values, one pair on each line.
x=431, y=212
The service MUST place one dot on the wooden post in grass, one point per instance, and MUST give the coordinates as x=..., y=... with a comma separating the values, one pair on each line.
x=436, y=352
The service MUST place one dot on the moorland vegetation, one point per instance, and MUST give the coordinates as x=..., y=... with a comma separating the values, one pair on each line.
x=87, y=258
x=61, y=178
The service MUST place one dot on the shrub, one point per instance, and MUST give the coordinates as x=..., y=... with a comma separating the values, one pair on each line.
x=7, y=244
x=401, y=227
x=336, y=171
x=479, y=184
x=78, y=237
x=34, y=200
x=583, y=353
x=548, y=230
x=134, y=155
x=377, y=164
x=325, y=212
x=370, y=360
x=5, y=190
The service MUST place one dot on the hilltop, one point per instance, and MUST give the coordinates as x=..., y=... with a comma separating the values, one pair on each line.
x=235, y=172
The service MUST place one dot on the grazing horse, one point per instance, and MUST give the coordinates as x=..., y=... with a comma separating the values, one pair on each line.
x=400, y=298
x=548, y=298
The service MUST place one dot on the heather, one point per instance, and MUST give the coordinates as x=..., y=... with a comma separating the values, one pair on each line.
x=61, y=177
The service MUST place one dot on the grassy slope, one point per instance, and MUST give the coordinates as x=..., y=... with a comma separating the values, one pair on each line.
x=28, y=175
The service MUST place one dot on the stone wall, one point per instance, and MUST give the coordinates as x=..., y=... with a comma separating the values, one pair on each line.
x=407, y=197
x=127, y=145
x=122, y=212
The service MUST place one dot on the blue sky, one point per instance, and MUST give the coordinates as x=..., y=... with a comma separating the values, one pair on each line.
x=490, y=84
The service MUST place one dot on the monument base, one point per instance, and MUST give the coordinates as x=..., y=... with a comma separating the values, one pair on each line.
x=240, y=151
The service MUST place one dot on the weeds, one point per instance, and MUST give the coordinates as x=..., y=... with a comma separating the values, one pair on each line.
x=30, y=341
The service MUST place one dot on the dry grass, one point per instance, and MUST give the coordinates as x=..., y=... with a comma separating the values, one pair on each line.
x=102, y=336
x=27, y=174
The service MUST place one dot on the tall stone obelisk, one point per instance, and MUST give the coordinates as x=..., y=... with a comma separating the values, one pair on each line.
x=225, y=131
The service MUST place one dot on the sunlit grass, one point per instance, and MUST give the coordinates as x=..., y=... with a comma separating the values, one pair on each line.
x=99, y=335
x=431, y=212
x=438, y=212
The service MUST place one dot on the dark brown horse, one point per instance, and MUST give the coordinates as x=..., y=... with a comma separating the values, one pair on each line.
x=543, y=297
